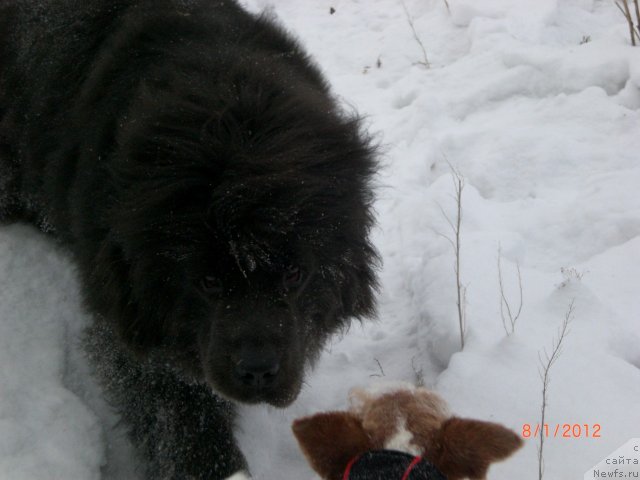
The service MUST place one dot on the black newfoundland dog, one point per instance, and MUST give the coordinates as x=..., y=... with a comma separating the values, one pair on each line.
x=216, y=201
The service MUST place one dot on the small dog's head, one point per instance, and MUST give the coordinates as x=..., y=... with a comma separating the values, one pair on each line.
x=411, y=420
x=240, y=239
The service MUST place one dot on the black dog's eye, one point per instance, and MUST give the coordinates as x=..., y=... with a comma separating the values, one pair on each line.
x=211, y=285
x=292, y=277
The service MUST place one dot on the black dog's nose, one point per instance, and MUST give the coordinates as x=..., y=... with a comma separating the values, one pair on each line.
x=257, y=367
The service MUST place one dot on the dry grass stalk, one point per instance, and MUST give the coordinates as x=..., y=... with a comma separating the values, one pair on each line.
x=505, y=307
x=545, y=368
x=425, y=60
x=461, y=291
x=634, y=30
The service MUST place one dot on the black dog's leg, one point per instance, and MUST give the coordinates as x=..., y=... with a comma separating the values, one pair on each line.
x=10, y=205
x=183, y=430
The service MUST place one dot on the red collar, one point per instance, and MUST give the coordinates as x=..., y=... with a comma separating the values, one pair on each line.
x=354, y=460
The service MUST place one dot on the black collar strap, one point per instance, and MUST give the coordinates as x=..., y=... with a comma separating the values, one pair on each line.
x=390, y=465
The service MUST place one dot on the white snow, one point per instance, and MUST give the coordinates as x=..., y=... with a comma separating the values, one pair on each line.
x=238, y=476
x=545, y=129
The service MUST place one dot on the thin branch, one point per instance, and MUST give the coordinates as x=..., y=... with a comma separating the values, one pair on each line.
x=459, y=185
x=446, y=217
x=504, y=303
x=381, y=370
x=418, y=373
x=621, y=9
x=635, y=3
x=453, y=245
x=623, y=6
x=545, y=377
x=425, y=62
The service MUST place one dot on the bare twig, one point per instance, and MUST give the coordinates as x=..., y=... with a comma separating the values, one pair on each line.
x=382, y=374
x=461, y=291
x=418, y=373
x=634, y=30
x=447, y=5
x=570, y=275
x=425, y=60
x=545, y=368
x=504, y=303
x=637, y=8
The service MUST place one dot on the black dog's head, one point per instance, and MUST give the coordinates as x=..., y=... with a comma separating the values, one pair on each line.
x=240, y=232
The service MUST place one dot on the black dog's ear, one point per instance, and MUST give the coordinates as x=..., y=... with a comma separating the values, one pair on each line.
x=105, y=278
x=124, y=293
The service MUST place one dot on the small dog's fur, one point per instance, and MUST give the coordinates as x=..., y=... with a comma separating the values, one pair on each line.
x=405, y=419
x=216, y=201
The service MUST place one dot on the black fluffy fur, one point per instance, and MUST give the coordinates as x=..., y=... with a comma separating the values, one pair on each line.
x=169, y=141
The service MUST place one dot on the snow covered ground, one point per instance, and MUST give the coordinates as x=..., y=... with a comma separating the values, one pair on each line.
x=536, y=103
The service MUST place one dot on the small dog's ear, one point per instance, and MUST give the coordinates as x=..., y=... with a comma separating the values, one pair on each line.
x=330, y=441
x=466, y=448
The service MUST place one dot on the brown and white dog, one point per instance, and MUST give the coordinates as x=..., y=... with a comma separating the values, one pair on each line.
x=401, y=433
